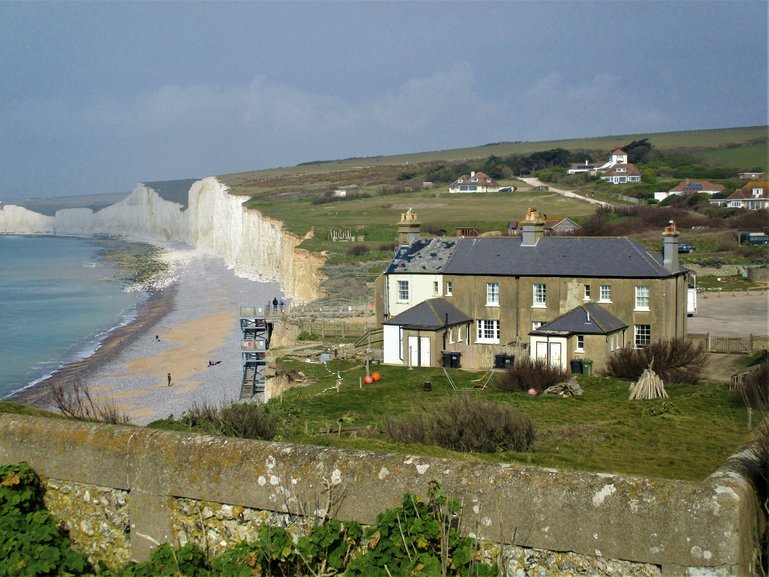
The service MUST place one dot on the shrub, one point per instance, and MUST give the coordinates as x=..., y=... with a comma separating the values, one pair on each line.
x=527, y=373
x=242, y=420
x=388, y=246
x=31, y=543
x=358, y=250
x=465, y=424
x=420, y=538
x=753, y=392
x=674, y=360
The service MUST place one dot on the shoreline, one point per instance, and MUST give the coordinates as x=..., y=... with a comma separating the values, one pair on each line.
x=157, y=305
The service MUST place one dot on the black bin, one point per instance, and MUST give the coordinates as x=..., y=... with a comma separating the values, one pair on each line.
x=503, y=361
x=576, y=367
x=451, y=360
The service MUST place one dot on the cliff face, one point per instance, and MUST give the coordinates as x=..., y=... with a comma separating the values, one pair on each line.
x=214, y=221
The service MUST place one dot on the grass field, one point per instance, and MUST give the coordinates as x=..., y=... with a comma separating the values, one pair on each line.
x=699, y=139
x=687, y=436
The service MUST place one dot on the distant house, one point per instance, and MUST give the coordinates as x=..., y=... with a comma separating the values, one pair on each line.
x=581, y=167
x=750, y=175
x=622, y=174
x=616, y=170
x=752, y=196
x=474, y=182
x=553, y=226
x=690, y=187
x=696, y=186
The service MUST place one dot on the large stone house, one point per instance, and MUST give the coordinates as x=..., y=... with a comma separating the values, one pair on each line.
x=560, y=298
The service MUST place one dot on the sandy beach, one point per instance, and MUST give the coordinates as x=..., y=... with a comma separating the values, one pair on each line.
x=192, y=320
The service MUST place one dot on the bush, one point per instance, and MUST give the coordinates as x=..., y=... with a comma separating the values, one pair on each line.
x=242, y=420
x=388, y=247
x=465, y=424
x=527, y=374
x=358, y=250
x=674, y=361
x=31, y=543
x=753, y=392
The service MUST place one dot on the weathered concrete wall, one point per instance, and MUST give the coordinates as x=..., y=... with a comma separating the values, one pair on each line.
x=177, y=487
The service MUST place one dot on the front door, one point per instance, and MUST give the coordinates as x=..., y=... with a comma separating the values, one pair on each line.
x=419, y=351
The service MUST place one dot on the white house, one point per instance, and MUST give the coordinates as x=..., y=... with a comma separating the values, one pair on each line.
x=474, y=182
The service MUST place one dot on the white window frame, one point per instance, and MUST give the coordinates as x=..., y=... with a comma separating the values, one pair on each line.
x=604, y=293
x=487, y=331
x=492, y=294
x=642, y=335
x=580, y=347
x=450, y=330
x=403, y=291
x=449, y=288
x=586, y=296
x=436, y=288
x=643, y=298
x=539, y=295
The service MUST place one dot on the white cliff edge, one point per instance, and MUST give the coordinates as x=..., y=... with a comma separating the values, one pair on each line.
x=214, y=221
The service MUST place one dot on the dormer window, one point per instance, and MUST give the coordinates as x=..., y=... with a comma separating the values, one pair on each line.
x=473, y=179
x=757, y=192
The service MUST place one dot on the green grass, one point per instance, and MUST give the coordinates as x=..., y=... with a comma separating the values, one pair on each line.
x=687, y=436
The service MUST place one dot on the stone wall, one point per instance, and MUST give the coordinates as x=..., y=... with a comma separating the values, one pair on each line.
x=123, y=490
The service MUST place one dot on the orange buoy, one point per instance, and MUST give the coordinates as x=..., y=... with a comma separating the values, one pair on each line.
x=368, y=380
x=376, y=376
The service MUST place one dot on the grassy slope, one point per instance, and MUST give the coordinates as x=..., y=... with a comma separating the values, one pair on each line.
x=687, y=436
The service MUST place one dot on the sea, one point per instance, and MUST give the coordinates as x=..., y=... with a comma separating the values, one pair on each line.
x=58, y=301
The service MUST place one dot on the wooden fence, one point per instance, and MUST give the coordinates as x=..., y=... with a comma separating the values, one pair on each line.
x=325, y=328
x=732, y=345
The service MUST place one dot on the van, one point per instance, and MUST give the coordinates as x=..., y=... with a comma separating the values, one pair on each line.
x=753, y=238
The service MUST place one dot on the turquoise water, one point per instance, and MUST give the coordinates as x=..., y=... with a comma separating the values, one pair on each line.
x=58, y=300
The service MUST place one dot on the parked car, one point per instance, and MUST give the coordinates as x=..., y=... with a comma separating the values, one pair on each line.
x=685, y=247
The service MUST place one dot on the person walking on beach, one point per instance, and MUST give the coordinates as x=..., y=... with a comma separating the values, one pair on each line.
x=169, y=379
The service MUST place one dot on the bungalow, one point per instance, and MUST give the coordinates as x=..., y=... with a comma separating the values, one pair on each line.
x=616, y=170
x=622, y=174
x=474, y=182
x=690, y=187
x=752, y=196
x=559, y=298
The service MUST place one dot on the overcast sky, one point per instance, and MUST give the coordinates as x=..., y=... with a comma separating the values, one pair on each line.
x=98, y=96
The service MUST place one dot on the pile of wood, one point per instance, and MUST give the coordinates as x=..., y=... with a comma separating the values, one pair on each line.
x=649, y=386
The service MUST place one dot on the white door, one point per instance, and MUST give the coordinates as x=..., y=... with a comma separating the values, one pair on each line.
x=424, y=352
x=419, y=351
x=555, y=354
x=541, y=350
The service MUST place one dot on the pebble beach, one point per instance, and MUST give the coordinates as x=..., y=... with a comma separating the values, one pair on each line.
x=191, y=318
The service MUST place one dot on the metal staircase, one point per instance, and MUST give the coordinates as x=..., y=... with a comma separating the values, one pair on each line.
x=255, y=330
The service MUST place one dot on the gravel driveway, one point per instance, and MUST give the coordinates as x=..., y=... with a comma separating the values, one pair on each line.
x=728, y=314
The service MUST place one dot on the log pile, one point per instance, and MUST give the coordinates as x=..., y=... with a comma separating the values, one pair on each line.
x=649, y=386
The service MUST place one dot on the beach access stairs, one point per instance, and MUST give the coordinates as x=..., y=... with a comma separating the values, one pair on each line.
x=255, y=330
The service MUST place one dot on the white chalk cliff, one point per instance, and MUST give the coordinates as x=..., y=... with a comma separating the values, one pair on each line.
x=214, y=221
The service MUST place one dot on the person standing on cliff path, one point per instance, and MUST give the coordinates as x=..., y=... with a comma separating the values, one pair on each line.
x=169, y=379
x=275, y=305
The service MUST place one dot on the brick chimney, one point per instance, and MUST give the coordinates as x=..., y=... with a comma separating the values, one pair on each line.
x=670, y=248
x=408, y=228
x=532, y=228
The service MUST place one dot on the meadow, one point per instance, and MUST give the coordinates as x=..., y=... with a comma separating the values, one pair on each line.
x=687, y=436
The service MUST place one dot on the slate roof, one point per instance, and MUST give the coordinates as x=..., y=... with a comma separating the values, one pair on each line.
x=587, y=319
x=424, y=255
x=432, y=314
x=602, y=257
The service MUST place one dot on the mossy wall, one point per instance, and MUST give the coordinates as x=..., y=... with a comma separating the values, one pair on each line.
x=128, y=489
